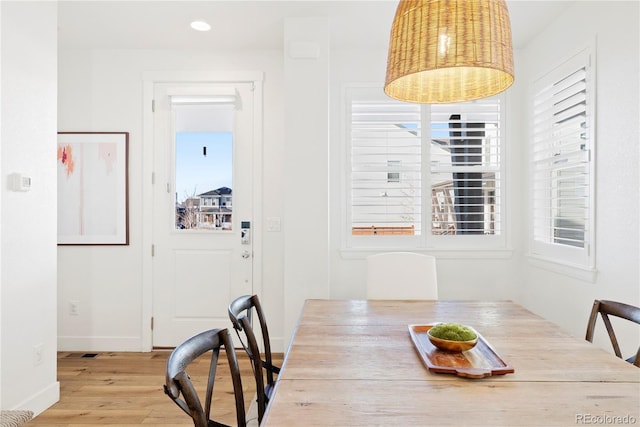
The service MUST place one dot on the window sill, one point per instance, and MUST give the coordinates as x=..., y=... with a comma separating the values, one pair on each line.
x=587, y=274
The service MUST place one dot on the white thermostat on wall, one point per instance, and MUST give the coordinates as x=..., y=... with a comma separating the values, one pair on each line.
x=19, y=182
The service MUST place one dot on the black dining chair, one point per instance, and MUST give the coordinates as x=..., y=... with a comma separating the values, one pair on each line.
x=241, y=313
x=618, y=309
x=178, y=383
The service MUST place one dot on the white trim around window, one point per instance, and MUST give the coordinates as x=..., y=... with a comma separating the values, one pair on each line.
x=424, y=177
x=562, y=165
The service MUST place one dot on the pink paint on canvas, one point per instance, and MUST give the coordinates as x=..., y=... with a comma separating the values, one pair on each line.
x=65, y=156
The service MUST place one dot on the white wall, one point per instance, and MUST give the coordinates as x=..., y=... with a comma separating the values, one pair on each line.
x=306, y=223
x=614, y=27
x=1, y=139
x=101, y=90
x=28, y=219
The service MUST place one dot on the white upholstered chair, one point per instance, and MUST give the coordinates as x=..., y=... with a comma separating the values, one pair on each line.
x=401, y=275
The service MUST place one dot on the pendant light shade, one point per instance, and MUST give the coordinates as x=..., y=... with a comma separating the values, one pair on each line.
x=444, y=51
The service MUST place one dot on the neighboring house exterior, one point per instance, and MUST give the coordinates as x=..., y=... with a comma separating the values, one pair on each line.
x=211, y=210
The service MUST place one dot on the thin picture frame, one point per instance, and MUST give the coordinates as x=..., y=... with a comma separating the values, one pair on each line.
x=93, y=188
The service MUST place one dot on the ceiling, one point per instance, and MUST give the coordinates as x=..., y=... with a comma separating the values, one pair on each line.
x=250, y=24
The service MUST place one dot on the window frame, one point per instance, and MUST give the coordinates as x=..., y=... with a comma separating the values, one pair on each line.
x=565, y=256
x=426, y=241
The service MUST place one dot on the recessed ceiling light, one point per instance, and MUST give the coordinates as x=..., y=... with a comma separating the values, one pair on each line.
x=200, y=26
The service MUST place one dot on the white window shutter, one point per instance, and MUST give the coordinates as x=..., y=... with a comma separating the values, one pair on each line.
x=386, y=169
x=562, y=150
x=423, y=175
x=466, y=168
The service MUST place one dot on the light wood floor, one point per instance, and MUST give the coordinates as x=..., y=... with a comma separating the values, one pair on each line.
x=125, y=389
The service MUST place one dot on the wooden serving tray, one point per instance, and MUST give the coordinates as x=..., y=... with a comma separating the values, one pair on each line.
x=479, y=362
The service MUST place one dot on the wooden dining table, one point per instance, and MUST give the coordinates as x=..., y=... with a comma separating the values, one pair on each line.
x=354, y=363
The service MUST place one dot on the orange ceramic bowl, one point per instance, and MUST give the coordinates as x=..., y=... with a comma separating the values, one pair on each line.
x=450, y=345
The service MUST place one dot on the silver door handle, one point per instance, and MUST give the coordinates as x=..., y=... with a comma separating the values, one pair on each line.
x=245, y=254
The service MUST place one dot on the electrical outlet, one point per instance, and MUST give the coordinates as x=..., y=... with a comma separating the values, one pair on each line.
x=74, y=308
x=38, y=351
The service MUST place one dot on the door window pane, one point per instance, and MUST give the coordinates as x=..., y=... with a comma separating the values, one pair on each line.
x=203, y=168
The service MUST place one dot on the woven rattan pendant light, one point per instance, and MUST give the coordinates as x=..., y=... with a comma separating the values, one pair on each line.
x=444, y=51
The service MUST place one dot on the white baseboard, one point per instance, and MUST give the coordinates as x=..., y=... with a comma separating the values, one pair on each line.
x=42, y=400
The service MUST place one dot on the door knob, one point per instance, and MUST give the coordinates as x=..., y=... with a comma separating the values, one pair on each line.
x=245, y=254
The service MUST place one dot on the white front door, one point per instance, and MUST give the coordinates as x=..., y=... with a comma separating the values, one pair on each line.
x=202, y=206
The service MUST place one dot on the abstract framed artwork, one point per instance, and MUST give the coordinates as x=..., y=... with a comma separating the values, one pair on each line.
x=93, y=198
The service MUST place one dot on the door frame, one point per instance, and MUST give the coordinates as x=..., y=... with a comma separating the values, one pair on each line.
x=150, y=79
